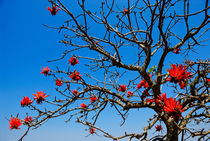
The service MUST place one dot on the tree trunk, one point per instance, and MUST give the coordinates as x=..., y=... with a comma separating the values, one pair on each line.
x=172, y=132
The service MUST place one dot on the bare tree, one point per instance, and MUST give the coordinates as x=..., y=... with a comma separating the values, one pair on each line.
x=143, y=29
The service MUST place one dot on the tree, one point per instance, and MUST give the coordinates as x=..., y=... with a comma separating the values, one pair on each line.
x=146, y=32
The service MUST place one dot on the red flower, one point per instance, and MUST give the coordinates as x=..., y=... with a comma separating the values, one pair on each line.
x=67, y=86
x=178, y=74
x=75, y=92
x=173, y=108
x=158, y=128
x=83, y=105
x=75, y=76
x=143, y=83
x=28, y=119
x=15, y=123
x=73, y=61
x=40, y=96
x=26, y=101
x=122, y=88
x=93, y=98
x=159, y=100
x=97, y=42
x=59, y=82
x=182, y=84
x=125, y=11
x=150, y=100
x=54, y=10
x=163, y=97
x=129, y=94
x=92, y=130
x=177, y=51
x=207, y=80
x=45, y=71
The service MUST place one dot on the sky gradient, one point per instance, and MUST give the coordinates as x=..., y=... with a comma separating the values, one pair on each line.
x=26, y=45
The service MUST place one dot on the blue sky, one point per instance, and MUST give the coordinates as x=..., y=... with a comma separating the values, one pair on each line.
x=26, y=45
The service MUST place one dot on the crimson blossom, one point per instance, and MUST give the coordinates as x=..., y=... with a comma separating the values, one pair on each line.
x=97, y=42
x=73, y=61
x=125, y=11
x=15, y=123
x=158, y=128
x=176, y=51
x=129, y=94
x=45, y=71
x=40, y=96
x=75, y=76
x=122, y=88
x=54, y=10
x=75, y=92
x=59, y=82
x=159, y=99
x=179, y=75
x=28, y=119
x=26, y=101
x=182, y=84
x=93, y=98
x=92, y=130
x=173, y=108
x=68, y=86
x=83, y=105
x=143, y=83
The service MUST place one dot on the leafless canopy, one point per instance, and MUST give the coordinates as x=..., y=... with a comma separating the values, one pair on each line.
x=132, y=38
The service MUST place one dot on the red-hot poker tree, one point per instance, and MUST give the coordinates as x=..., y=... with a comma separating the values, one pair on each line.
x=149, y=33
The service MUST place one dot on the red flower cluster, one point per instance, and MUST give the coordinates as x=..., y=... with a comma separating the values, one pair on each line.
x=159, y=128
x=28, y=119
x=26, y=101
x=15, y=123
x=92, y=130
x=179, y=75
x=122, y=88
x=59, y=82
x=173, y=108
x=143, y=83
x=75, y=76
x=54, y=10
x=159, y=99
x=75, y=92
x=83, y=105
x=129, y=94
x=73, y=61
x=45, y=71
x=93, y=98
x=169, y=105
x=40, y=96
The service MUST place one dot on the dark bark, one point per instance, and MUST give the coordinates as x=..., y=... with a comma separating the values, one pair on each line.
x=172, y=132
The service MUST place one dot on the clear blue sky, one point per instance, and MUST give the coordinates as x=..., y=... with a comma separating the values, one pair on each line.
x=25, y=47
